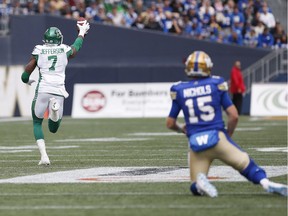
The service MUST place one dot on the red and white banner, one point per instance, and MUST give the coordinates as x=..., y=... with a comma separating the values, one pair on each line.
x=123, y=100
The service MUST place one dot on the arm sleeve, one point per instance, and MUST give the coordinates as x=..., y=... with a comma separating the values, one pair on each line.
x=226, y=100
x=78, y=43
x=175, y=109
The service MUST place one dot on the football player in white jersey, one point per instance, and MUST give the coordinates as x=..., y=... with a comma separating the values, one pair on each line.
x=51, y=58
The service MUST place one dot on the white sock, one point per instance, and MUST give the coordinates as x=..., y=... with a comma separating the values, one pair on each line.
x=41, y=146
x=265, y=183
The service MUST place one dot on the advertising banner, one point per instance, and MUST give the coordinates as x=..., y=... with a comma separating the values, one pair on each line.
x=269, y=99
x=121, y=100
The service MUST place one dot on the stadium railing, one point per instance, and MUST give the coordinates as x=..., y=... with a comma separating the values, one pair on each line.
x=266, y=68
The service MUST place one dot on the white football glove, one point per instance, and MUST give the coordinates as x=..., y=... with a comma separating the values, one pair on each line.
x=83, y=27
x=30, y=82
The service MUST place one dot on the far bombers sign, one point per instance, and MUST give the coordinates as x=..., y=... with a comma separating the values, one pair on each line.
x=121, y=100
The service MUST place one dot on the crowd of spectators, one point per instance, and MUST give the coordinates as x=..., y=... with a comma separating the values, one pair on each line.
x=242, y=22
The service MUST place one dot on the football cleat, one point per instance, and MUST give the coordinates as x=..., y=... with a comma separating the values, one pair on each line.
x=44, y=160
x=205, y=186
x=54, y=104
x=277, y=188
x=198, y=64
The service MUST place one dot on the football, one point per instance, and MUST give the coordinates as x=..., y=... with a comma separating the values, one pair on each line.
x=80, y=19
x=80, y=22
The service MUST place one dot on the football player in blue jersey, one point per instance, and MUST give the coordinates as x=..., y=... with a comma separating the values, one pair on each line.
x=201, y=99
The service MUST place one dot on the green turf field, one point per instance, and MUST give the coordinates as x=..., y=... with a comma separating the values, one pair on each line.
x=115, y=143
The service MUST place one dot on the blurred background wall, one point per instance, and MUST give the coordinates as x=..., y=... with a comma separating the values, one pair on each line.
x=119, y=55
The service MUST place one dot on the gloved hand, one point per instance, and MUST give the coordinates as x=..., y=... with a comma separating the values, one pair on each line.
x=83, y=27
x=30, y=82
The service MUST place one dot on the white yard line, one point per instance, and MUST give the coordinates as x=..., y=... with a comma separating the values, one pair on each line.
x=34, y=147
x=87, y=207
x=112, y=154
x=103, y=139
x=15, y=119
x=24, y=194
x=93, y=159
x=155, y=134
x=137, y=174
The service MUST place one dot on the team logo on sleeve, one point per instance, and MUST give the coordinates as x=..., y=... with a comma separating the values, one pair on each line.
x=173, y=95
x=223, y=86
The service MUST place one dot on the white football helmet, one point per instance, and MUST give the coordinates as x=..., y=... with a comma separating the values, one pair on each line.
x=198, y=64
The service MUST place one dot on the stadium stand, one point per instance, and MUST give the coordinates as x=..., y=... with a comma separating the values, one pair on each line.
x=240, y=22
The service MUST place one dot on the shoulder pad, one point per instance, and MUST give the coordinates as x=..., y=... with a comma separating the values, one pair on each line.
x=176, y=83
x=223, y=86
x=36, y=50
x=66, y=48
x=218, y=79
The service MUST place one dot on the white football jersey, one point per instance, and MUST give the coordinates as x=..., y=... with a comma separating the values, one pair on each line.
x=52, y=62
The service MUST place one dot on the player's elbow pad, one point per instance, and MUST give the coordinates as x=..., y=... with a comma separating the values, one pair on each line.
x=25, y=77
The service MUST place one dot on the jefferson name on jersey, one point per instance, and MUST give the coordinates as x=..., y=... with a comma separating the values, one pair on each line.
x=52, y=51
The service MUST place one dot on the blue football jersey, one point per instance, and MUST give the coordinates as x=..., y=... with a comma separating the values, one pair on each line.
x=201, y=101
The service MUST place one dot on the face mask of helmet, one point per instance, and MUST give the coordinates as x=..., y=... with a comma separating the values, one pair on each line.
x=53, y=36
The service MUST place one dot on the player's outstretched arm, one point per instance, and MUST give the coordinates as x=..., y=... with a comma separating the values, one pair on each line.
x=232, y=115
x=29, y=68
x=83, y=27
